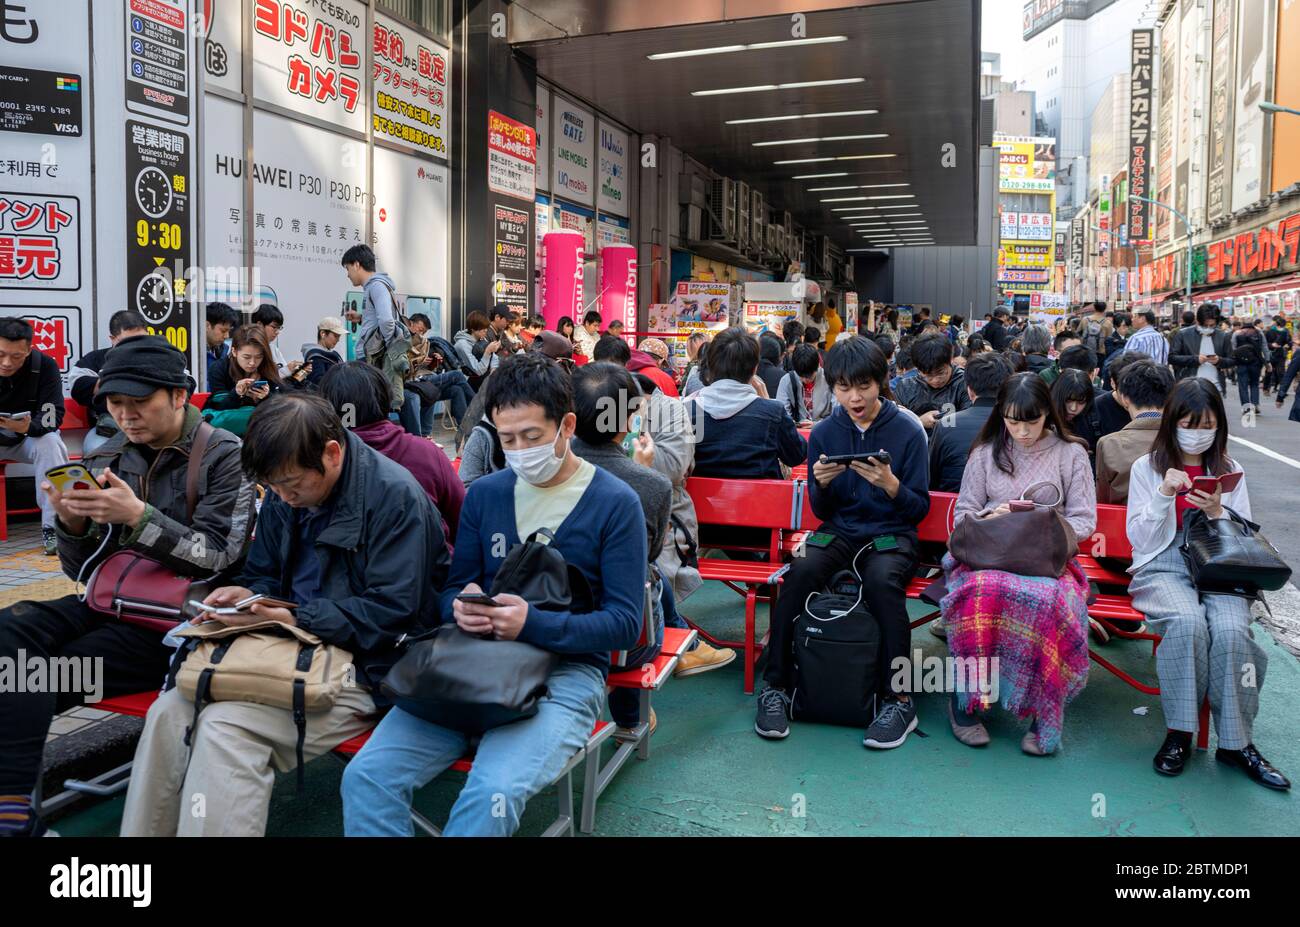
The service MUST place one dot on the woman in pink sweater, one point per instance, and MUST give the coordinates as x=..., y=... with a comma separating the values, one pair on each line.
x=1036, y=627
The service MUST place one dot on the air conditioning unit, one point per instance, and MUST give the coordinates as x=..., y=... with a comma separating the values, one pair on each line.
x=722, y=210
x=848, y=269
x=794, y=245
x=827, y=257
x=743, y=225
x=692, y=223
x=776, y=242
x=758, y=216
x=692, y=190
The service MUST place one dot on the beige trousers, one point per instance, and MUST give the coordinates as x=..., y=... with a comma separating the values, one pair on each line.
x=222, y=787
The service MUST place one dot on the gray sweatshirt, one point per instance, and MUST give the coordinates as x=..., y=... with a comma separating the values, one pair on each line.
x=377, y=310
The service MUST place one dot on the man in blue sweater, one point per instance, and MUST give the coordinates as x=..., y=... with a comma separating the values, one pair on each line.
x=600, y=529
x=869, y=512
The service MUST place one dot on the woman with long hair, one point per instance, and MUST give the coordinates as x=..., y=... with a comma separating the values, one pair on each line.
x=1074, y=399
x=565, y=327
x=1035, y=627
x=238, y=382
x=1206, y=647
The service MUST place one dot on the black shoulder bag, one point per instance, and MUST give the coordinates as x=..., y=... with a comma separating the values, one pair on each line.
x=473, y=684
x=1228, y=556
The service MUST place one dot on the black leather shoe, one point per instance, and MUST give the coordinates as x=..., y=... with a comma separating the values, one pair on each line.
x=1255, y=766
x=1173, y=753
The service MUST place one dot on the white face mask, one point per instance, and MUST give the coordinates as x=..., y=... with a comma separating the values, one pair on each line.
x=1196, y=440
x=537, y=465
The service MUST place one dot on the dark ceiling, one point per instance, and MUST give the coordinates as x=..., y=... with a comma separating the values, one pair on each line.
x=920, y=63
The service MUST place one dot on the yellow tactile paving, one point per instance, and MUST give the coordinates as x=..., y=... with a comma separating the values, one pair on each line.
x=40, y=590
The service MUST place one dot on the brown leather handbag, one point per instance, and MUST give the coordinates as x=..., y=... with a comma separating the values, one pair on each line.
x=139, y=590
x=1037, y=542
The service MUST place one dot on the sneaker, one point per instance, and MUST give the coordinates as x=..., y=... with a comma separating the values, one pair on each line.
x=895, y=720
x=1099, y=632
x=51, y=541
x=773, y=717
x=702, y=659
x=938, y=628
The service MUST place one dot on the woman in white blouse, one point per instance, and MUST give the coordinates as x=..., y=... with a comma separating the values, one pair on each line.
x=1206, y=645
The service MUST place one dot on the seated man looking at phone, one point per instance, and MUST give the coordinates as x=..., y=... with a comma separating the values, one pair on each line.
x=600, y=529
x=147, y=391
x=349, y=537
x=31, y=412
x=869, y=468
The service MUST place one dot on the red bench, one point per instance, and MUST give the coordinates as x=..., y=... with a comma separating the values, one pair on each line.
x=767, y=504
x=76, y=417
x=1112, y=602
x=649, y=678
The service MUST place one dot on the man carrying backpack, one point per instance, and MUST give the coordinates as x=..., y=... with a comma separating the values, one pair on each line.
x=1093, y=332
x=351, y=539
x=383, y=337
x=1249, y=352
x=143, y=507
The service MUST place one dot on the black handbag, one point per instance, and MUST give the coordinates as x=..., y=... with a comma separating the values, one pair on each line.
x=1228, y=556
x=473, y=684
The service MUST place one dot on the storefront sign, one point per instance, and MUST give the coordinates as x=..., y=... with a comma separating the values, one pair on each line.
x=578, y=219
x=40, y=242
x=613, y=193
x=1024, y=256
x=308, y=56
x=511, y=257
x=1141, y=51
x=40, y=102
x=410, y=87
x=157, y=59
x=1026, y=164
x=512, y=157
x=573, y=145
x=611, y=230
x=1254, y=80
x=1257, y=253
x=158, y=227
x=1220, y=168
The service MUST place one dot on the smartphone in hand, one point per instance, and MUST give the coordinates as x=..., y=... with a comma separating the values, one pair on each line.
x=479, y=598
x=71, y=476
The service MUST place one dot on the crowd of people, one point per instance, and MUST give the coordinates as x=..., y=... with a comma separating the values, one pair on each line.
x=372, y=536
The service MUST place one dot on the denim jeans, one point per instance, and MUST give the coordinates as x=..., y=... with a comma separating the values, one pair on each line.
x=623, y=702
x=92, y=442
x=1248, y=383
x=454, y=389
x=513, y=763
x=409, y=415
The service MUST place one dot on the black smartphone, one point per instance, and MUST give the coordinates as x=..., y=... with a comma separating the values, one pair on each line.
x=261, y=384
x=479, y=598
x=881, y=457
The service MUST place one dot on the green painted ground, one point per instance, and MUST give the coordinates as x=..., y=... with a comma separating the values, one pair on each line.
x=709, y=774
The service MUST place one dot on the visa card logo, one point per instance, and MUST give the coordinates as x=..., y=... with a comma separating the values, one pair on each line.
x=67, y=83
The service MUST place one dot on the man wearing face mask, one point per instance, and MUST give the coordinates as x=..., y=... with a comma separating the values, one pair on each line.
x=600, y=529
x=1201, y=350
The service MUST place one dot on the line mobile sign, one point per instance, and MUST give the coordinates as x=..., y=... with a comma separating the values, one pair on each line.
x=1255, y=254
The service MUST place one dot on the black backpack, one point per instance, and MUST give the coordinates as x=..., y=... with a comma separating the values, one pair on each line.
x=836, y=656
x=1249, y=349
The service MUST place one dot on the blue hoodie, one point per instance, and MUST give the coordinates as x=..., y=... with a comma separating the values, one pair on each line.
x=852, y=508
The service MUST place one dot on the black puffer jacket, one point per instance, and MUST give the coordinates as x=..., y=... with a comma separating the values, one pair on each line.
x=382, y=560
